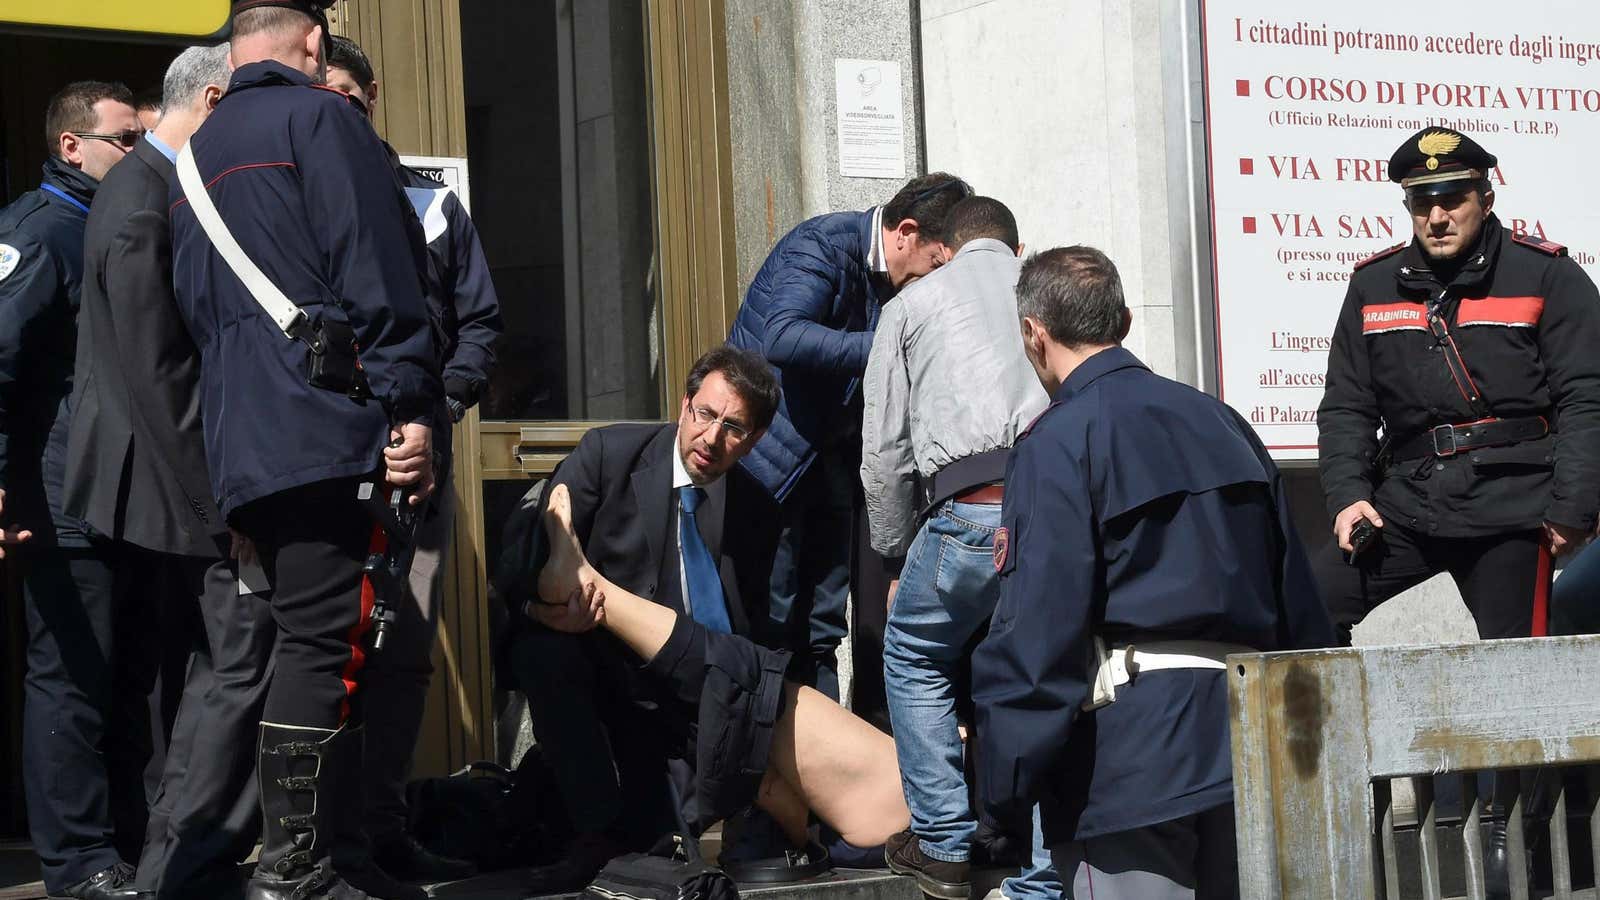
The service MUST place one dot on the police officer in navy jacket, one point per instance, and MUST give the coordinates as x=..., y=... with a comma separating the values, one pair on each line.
x=811, y=311
x=1138, y=512
x=86, y=736
x=302, y=182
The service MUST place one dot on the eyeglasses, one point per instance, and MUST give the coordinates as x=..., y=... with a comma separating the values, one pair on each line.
x=707, y=418
x=124, y=139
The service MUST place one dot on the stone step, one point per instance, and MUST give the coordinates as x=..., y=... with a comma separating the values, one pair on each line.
x=841, y=884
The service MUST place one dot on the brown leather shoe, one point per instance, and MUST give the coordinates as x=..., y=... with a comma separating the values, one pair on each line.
x=937, y=877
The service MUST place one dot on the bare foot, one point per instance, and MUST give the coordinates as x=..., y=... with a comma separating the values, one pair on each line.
x=569, y=588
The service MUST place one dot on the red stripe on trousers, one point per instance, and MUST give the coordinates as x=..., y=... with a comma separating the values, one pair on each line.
x=358, y=654
x=1541, y=593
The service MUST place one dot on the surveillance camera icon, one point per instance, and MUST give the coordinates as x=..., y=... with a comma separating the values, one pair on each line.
x=869, y=79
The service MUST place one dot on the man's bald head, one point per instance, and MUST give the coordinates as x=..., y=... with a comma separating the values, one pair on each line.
x=278, y=33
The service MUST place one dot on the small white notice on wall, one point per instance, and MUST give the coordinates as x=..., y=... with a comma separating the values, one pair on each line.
x=449, y=170
x=872, y=141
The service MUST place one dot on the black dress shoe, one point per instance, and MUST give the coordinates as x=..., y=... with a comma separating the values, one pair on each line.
x=406, y=859
x=583, y=860
x=115, y=883
x=791, y=865
x=378, y=884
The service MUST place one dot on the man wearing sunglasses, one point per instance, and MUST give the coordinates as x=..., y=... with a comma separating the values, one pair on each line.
x=811, y=311
x=1473, y=349
x=86, y=732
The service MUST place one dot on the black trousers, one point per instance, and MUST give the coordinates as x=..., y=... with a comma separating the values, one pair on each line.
x=93, y=648
x=313, y=540
x=206, y=817
x=1502, y=578
x=608, y=752
x=810, y=584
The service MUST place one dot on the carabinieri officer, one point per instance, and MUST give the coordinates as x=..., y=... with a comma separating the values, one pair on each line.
x=1473, y=350
x=299, y=430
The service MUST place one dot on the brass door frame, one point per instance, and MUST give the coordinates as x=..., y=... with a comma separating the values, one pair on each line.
x=416, y=48
x=696, y=271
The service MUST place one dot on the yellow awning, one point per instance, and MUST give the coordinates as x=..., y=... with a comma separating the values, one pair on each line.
x=186, y=18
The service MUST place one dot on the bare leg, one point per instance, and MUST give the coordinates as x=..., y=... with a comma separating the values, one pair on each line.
x=834, y=763
x=785, y=806
x=844, y=769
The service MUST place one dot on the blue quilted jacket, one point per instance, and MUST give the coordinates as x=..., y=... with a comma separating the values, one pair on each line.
x=811, y=311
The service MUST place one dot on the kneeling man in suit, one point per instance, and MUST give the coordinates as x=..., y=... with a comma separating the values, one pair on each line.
x=664, y=512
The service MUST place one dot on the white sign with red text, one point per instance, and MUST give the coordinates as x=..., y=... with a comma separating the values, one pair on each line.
x=1305, y=104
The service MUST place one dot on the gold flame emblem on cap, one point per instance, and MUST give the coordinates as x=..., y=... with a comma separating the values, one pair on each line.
x=1436, y=144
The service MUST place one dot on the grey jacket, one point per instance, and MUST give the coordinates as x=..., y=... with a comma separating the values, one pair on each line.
x=947, y=379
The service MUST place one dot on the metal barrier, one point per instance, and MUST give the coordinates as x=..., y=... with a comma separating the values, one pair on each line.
x=1319, y=735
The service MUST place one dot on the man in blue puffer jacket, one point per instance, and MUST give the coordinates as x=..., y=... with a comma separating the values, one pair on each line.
x=811, y=311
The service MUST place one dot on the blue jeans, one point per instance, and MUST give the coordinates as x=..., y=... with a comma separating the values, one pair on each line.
x=1039, y=881
x=1575, y=599
x=948, y=587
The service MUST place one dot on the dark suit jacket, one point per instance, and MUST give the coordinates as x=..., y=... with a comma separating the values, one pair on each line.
x=620, y=477
x=136, y=465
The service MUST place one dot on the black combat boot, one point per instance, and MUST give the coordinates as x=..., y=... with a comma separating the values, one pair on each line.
x=1537, y=802
x=300, y=771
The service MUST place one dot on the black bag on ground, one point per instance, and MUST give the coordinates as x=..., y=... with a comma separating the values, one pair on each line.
x=672, y=870
x=490, y=815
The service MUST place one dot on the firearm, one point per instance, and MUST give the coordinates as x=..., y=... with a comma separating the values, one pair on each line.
x=1361, y=537
x=394, y=543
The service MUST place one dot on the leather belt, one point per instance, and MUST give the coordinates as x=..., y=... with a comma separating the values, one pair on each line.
x=1445, y=441
x=988, y=493
x=963, y=475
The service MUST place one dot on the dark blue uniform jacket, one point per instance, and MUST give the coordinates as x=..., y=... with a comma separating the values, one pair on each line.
x=459, y=287
x=304, y=184
x=1138, y=509
x=41, y=274
x=810, y=311
x=461, y=296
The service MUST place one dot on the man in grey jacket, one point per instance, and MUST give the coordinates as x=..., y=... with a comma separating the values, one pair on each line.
x=947, y=390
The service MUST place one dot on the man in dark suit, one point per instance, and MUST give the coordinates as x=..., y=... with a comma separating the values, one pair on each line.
x=636, y=492
x=136, y=472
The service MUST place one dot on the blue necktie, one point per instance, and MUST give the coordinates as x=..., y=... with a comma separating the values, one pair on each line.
x=699, y=572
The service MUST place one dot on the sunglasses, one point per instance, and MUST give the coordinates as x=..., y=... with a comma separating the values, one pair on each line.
x=124, y=139
x=962, y=188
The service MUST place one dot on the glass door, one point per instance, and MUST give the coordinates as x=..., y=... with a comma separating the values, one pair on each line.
x=597, y=141
x=596, y=134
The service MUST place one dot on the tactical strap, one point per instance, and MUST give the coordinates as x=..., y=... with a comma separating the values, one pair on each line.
x=1452, y=358
x=290, y=319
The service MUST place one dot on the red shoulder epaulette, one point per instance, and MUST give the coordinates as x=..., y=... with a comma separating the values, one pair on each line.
x=1381, y=254
x=1024, y=433
x=1549, y=248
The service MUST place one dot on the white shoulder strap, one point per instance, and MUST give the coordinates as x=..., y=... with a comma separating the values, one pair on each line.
x=282, y=310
